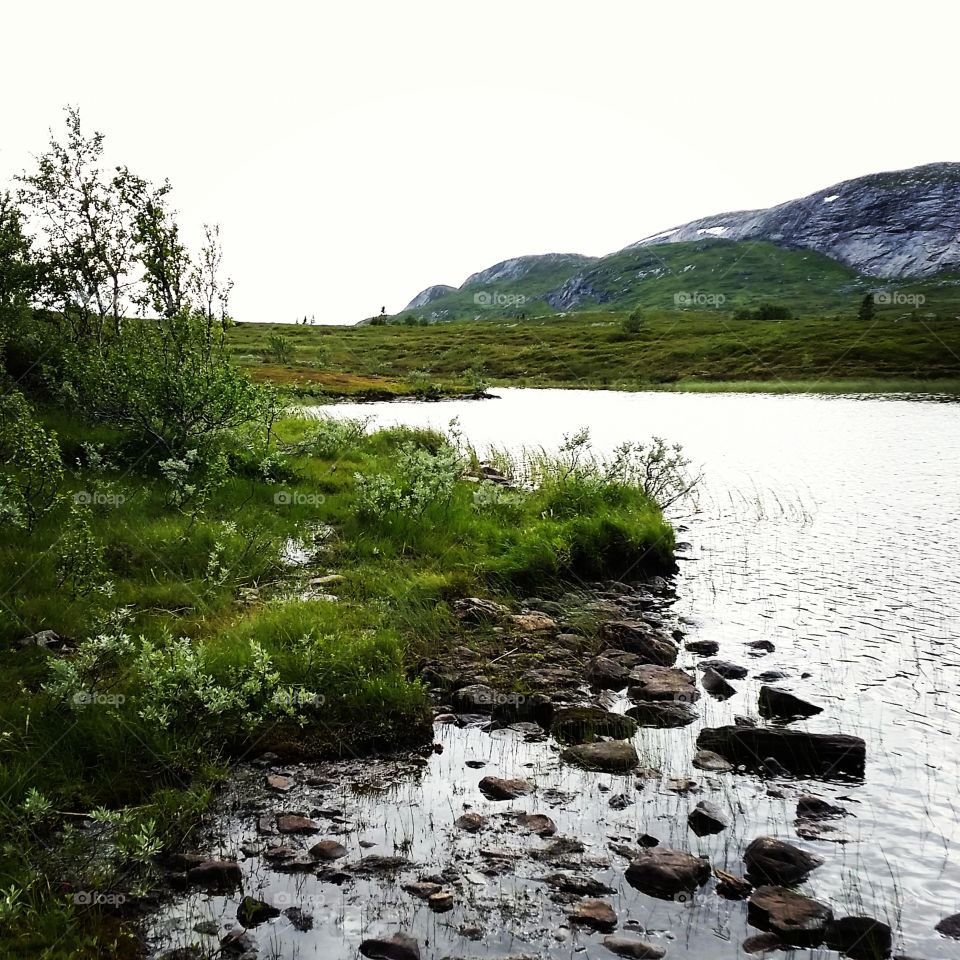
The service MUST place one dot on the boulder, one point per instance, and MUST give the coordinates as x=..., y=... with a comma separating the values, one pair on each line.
x=950, y=926
x=775, y=861
x=607, y=673
x=586, y=724
x=497, y=788
x=713, y=762
x=252, y=912
x=823, y=754
x=726, y=669
x=716, y=685
x=224, y=874
x=328, y=850
x=537, y=823
x=781, y=705
x=633, y=948
x=637, y=636
x=295, y=823
x=862, y=938
x=423, y=890
x=810, y=807
x=398, y=947
x=663, y=683
x=596, y=914
x=440, y=902
x=579, y=884
x=664, y=873
x=796, y=919
x=475, y=698
x=706, y=818
x=471, y=822
x=662, y=714
x=280, y=783
x=43, y=639
x=613, y=756
x=702, y=648
x=533, y=623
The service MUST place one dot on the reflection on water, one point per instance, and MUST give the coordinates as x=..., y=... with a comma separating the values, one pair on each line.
x=829, y=526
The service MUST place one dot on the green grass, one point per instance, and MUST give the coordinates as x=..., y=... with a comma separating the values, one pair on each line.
x=217, y=578
x=675, y=350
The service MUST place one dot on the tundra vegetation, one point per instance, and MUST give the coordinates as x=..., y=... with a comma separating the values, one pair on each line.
x=192, y=572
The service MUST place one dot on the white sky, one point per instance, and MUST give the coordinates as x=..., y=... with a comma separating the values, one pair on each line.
x=357, y=152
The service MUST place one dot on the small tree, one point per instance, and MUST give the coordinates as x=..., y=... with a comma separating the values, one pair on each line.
x=633, y=323
x=868, y=308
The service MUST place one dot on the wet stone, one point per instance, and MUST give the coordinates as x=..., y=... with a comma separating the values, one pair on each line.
x=328, y=850
x=633, y=948
x=662, y=714
x=950, y=926
x=497, y=788
x=538, y=823
x=663, y=872
x=399, y=947
x=299, y=919
x=422, y=889
x=706, y=818
x=252, y=912
x=585, y=724
x=778, y=862
x=716, y=685
x=862, y=938
x=652, y=682
x=295, y=823
x=471, y=822
x=596, y=914
x=637, y=636
x=726, y=669
x=713, y=762
x=612, y=756
x=702, y=648
x=216, y=873
x=580, y=884
x=781, y=704
x=280, y=783
x=794, y=918
x=440, y=902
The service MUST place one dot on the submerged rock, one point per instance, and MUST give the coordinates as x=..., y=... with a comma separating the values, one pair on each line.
x=716, y=685
x=662, y=714
x=635, y=949
x=810, y=807
x=295, y=823
x=471, y=822
x=782, y=705
x=706, y=818
x=614, y=756
x=663, y=872
x=538, y=823
x=328, y=850
x=216, y=873
x=596, y=914
x=399, y=947
x=252, y=912
x=575, y=725
x=778, y=862
x=663, y=683
x=726, y=669
x=703, y=648
x=638, y=637
x=862, y=938
x=580, y=884
x=796, y=919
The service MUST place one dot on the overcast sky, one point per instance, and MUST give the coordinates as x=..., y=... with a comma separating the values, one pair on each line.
x=357, y=152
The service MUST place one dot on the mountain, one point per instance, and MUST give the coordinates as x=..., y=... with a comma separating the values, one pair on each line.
x=817, y=253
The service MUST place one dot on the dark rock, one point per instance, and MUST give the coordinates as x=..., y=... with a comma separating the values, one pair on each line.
x=252, y=912
x=223, y=874
x=585, y=724
x=647, y=841
x=614, y=756
x=763, y=943
x=662, y=714
x=496, y=788
x=537, y=823
x=663, y=872
x=715, y=685
x=606, y=673
x=730, y=886
x=440, y=902
x=703, y=648
x=663, y=683
x=726, y=669
x=950, y=926
x=596, y=914
x=45, y=639
x=475, y=698
x=774, y=861
x=579, y=884
x=810, y=807
x=758, y=648
x=300, y=919
x=635, y=949
x=328, y=850
x=238, y=943
x=826, y=754
x=398, y=947
x=742, y=721
x=862, y=938
x=782, y=705
x=637, y=636
x=713, y=762
x=422, y=889
x=294, y=823
x=796, y=919
x=620, y=801
x=471, y=822
x=375, y=865
x=706, y=818
x=771, y=676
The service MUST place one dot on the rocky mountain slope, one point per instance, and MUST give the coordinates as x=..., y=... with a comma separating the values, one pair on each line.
x=819, y=252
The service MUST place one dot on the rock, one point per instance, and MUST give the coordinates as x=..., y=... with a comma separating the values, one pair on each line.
x=776, y=861
x=613, y=756
x=708, y=760
x=730, y=886
x=440, y=902
x=620, y=801
x=537, y=823
x=375, y=865
x=207, y=928
x=862, y=938
x=475, y=698
x=664, y=873
x=796, y=919
x=574, y=725
x=223, y=874
x=772, y=767
x=477, y=610
x=810, y=807
x=742, y=721
x=824, y=754
x=252, y=912
x=763, y=943
x=533, y=623
x=771, y=676
x=328, y=850
x=715, y=684
x=703, y=648
x=662, y=714
x=636, y=949
x=726, y=669
x=663, y=683
x=646, y=841
x=398, y=947
x=950, y=926
x=295, y=823
x=300, y=919
x=496, y=788
x=239, y=943
x=706, y=818
x=471, y=822
x=579, y=884
x=782, y=705
x=637, y=636
x=43, y=639
x=278, y=782
x=606, y=673
x=759, y=648
x=596, y=914
x=422, y=889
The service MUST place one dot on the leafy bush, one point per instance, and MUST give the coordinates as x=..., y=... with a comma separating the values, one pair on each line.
x=633, y=323
x=80, y=565
x=280, y=348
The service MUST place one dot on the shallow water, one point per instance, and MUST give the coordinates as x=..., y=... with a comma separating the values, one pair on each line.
x=830, y=526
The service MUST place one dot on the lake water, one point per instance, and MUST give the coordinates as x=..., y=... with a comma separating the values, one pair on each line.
x=827, y=525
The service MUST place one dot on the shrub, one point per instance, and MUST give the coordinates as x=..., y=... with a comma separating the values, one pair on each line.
x=633, y=323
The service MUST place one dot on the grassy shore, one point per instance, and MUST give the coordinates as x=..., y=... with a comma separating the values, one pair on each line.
x=285, y=612
x=677, y=351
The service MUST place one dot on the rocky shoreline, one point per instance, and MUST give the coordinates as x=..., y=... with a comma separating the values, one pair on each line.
x=530, y=702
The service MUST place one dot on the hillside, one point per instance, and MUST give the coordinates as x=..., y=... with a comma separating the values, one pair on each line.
x=817, y=254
